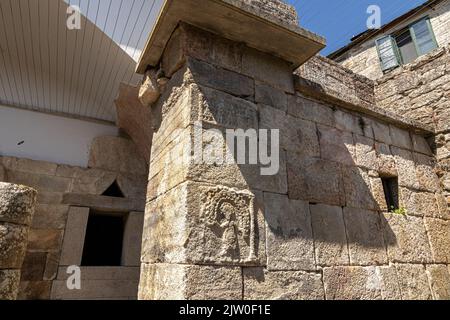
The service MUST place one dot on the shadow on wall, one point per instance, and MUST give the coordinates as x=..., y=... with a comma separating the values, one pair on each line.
x=320, y=209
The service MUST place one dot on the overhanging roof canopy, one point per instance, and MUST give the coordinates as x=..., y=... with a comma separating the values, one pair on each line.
x=235, y=20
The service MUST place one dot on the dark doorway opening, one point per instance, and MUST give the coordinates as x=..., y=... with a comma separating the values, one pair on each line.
x=391, y=193
x=104, y=240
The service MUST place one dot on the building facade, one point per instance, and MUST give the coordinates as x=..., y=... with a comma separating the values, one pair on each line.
x=399, y=42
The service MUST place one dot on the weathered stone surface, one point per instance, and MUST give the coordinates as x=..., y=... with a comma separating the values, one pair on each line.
x=315, y=180
x=260, y=284
x=133, y=186
x=301, y=107
x=198, y=223
x=413, y=282
x=381, y=132
x=439, y=235
x=426, y=175
x=357, y=189
x=35, y=290
x=44, y=197
x=132, y=239
x=439, y=278
x=16, y=203
x=225, y=110
x=217, y=78
x=365, y=237
x=13, y=244
x=296, y=135
x=406, y=239
x=33, y=266
x=28, y=165
x=150, y=90
x=2, y=174
x=92, y=181
x=417, y=203
x=421, y=145
x=361, y=283
x=275, y=9
x=96, y=290
x=346, y=121
x=74, y=235
x=443, y=206
x=378, y=193
x=135, y=119
x=51, y=266
x=400, y=138
x=336, y=145
x=366, y=156
x=268, y=95
x=116, y=154
x=330, y=240
x=386, y=164
x=40, y=182
x=187, y=282
x=268, y=69
x=289, y=234
x=103, y=273
x=50, y=216
x=110, y=204
x=406, y=168
x=9, y=284
x=189, y=41
x=45, y=239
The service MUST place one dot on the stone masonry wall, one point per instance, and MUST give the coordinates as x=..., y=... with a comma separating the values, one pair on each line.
x=319, y=229
x=421, y=91
x=363, y=58
x=16, y=211
x=111, y=159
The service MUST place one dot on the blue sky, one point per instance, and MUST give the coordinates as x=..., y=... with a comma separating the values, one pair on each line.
x=340, y=20
x=129, y=22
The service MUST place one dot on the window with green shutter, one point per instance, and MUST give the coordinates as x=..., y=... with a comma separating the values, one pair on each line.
x=406, y=45
x=423, y=36
x=387, y=51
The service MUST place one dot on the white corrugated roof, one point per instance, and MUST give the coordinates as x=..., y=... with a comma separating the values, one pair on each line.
x=44, y=66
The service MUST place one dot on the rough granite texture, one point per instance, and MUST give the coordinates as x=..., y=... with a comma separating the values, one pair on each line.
x=17, y=205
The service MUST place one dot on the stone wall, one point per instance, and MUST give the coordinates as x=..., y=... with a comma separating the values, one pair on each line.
x=363, y=58
x=421, y=91
x=319, y=228
x=275, y=8
x=62, y=188
x=16, y=212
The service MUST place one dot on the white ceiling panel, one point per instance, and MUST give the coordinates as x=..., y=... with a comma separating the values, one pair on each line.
x=44, y=66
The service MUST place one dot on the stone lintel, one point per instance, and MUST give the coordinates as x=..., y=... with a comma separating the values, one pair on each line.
x=237, y=20
x=102, y=203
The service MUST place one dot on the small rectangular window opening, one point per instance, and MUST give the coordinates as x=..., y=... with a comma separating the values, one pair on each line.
x=104, y=240
x=390, y=186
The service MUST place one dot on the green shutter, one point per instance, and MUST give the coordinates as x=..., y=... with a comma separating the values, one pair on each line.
x=423, y=36
x=387, y=52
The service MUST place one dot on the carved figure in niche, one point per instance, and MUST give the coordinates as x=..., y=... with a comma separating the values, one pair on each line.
x=229, y=219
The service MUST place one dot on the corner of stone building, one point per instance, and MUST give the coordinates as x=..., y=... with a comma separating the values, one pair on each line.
x=345, y=139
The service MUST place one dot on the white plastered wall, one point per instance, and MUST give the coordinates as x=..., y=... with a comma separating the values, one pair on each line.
x=45, y=137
